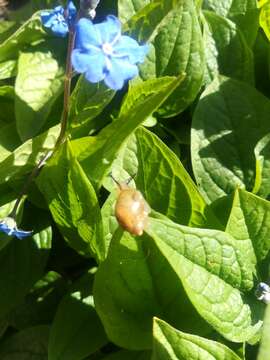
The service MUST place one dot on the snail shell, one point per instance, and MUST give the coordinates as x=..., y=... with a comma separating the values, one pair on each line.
x=131, y=210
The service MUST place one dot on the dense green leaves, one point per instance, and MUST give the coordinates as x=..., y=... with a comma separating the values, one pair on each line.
x=191, y=133
x=222, y=148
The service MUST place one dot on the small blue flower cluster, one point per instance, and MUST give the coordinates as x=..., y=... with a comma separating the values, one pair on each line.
x=59, y=20
x=101, y=52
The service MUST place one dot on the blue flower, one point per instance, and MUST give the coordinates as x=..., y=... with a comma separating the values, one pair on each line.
x=102, y=53
x=59, y=20
x=263, y=292
x=9, y=227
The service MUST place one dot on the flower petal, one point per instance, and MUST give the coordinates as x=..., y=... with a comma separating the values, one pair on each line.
x=86, y=35
x=45, y=17
x=109, y=30
x=93, y=65
x=126, y=46
x=4, y=228
x=120, y=71
x=60, y=29
x=21, y=234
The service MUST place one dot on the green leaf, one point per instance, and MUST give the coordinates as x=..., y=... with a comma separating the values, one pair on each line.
x=249, y=223
x=9, y=140
x=81, y=333
x=172, y=344
x=128, y=8
x=25, y=157
x=7, y=104
x=222, y=144
x=262, y=154
x=265, y=19
x=6, y=28
x=265, y=341
x=28, y=344
x=174, y=32
x=243, y=12
x=39, y=82
x=73, y=202
x=86, y=103
x=222, y=39
x=96, y=154
x=209, y=281
x=8, y=69
x=31, y=31
x=23, y=263
x=213, y=250
x=139, y=271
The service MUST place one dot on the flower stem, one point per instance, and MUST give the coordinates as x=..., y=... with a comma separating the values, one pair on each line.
x=67, y=85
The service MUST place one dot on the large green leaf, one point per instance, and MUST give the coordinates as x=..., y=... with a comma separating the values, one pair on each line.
x=243, y=12
x=73, y=202
x=207, y=263
x=76, y=330
x=141, y=284
x=265, y=342
x=172, y=344
x=25, y=157
x=210, y=282
x=231, y=117
x=222, y=39
x=38, y=83
x=173, y=30
x=97, y=153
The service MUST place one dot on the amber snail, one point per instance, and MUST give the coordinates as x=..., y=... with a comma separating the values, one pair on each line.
x=131, y=209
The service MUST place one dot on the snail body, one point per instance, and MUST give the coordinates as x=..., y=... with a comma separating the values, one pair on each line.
x=131, y=210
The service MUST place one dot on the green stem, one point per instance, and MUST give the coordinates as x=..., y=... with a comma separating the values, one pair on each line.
x=67, y=85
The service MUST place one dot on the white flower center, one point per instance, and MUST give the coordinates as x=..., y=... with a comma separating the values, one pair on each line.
x=107, y=49
x=60, y=18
